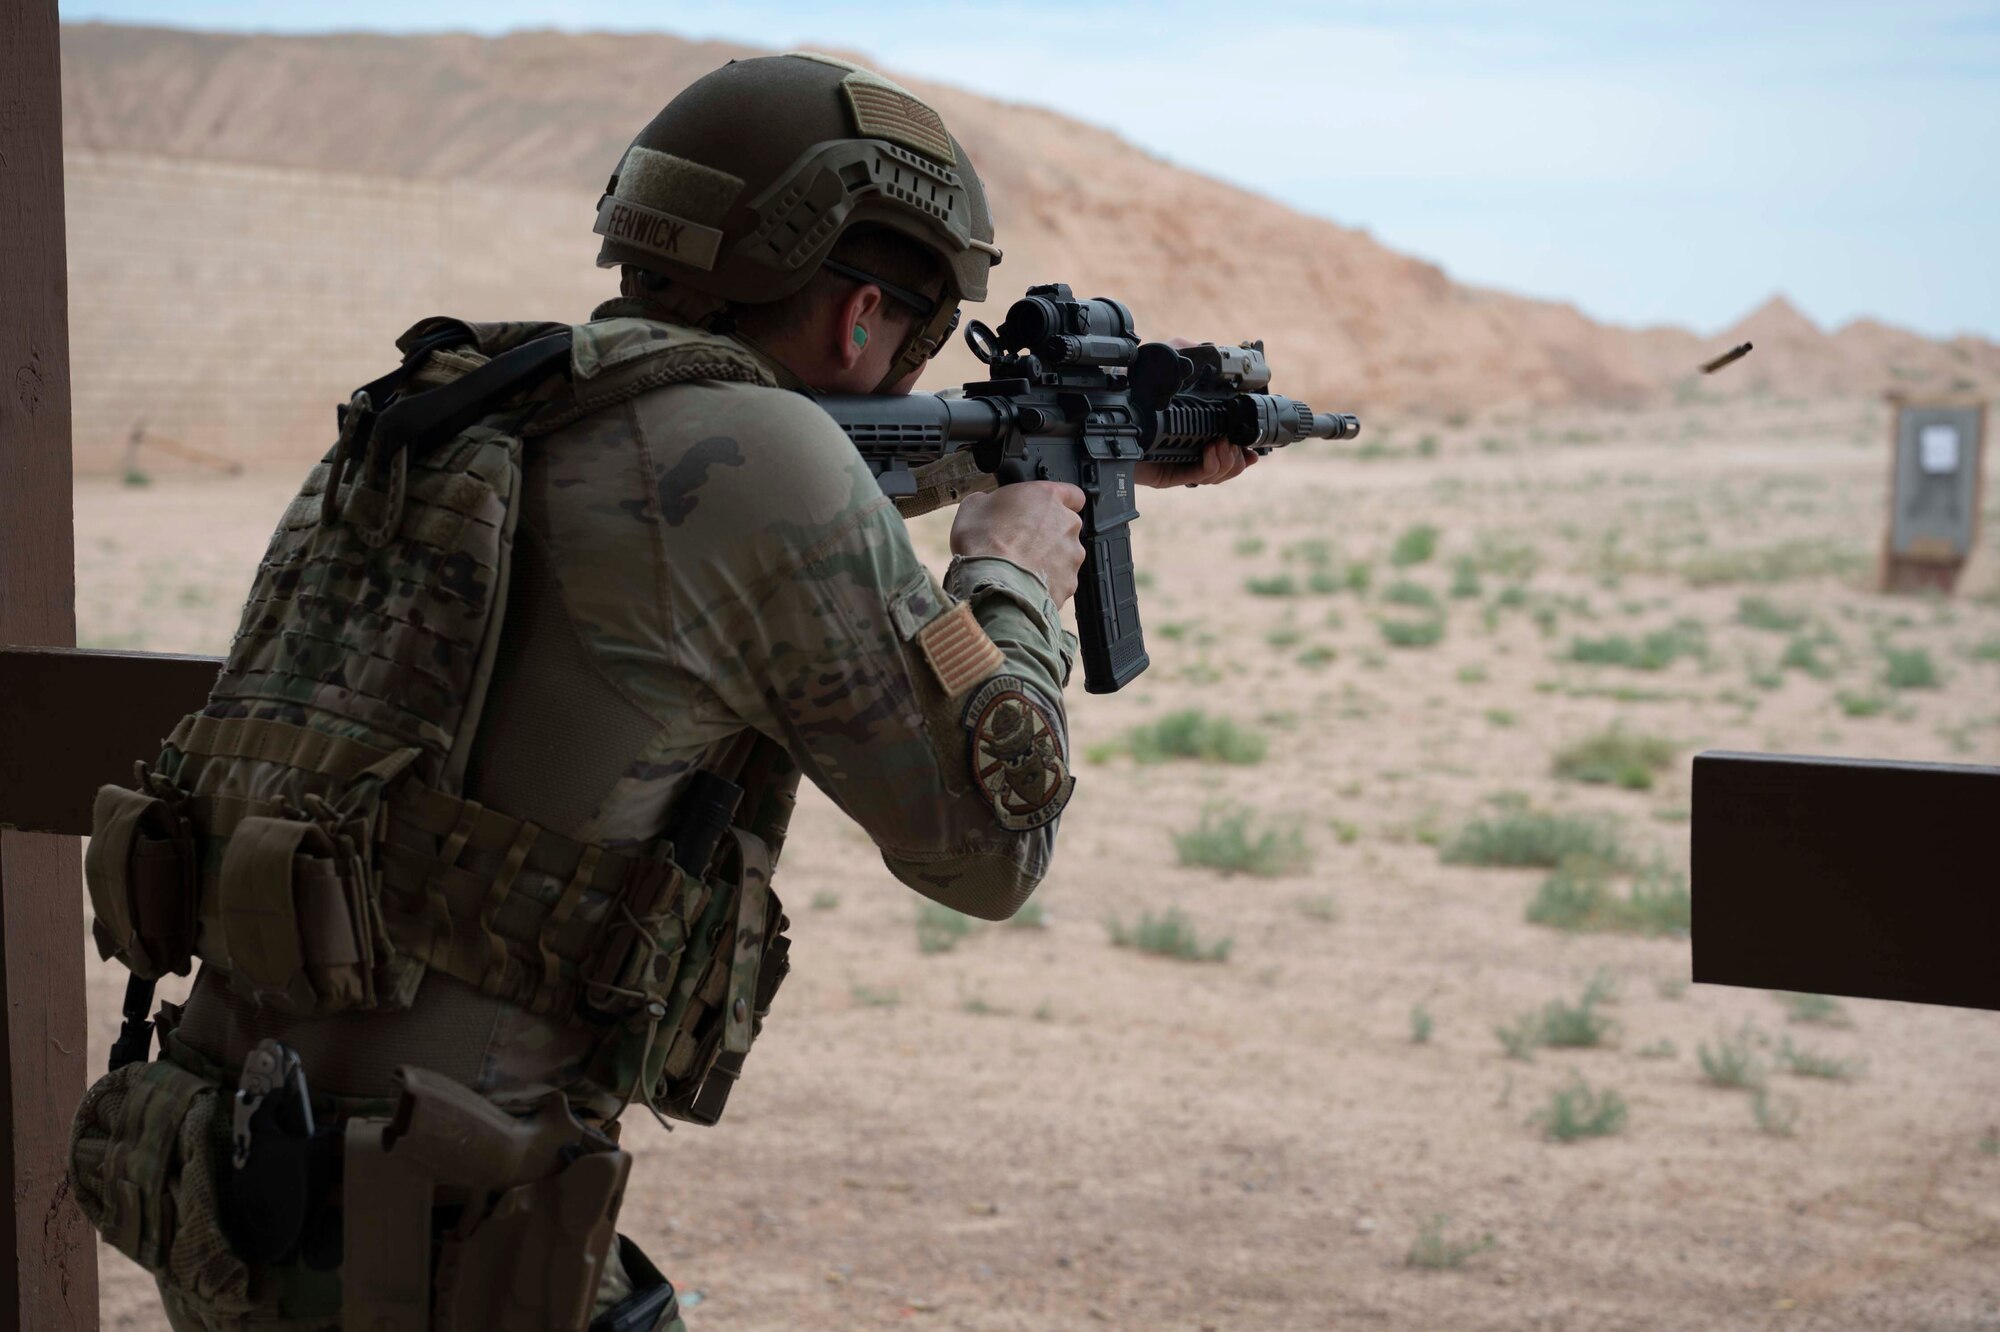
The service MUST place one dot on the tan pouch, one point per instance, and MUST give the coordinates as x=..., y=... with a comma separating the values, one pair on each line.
x=143, y=890
x=293, y=918
x=145, y=1152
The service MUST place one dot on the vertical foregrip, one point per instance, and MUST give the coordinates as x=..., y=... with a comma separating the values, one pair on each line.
x=1107, y=611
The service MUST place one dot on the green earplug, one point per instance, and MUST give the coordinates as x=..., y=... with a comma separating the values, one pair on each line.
x=860, y=336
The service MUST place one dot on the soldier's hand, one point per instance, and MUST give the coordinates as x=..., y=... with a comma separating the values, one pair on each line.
x=1220, y=461
x=1035, y=524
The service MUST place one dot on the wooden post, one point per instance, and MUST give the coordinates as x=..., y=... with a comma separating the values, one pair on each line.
x=48, y=1263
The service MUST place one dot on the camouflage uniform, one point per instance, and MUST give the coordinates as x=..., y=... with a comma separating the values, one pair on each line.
x=727, y=563
x=698, y=558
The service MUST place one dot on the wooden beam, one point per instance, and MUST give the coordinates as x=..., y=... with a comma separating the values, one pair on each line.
x=1856, y=877
x=86, y=716
x=48, y=1263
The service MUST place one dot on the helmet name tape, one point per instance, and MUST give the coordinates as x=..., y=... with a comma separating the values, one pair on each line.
x=670, y=237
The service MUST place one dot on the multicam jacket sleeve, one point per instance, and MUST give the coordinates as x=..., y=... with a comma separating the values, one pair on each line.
x=785, y=595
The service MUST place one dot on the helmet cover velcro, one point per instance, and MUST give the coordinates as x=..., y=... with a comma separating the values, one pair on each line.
x=676, y=185
x=884, y=111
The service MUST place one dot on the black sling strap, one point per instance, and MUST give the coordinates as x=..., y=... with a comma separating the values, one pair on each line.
x=424, y=420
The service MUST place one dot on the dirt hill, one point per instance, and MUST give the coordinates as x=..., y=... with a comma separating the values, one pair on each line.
x=532, y=123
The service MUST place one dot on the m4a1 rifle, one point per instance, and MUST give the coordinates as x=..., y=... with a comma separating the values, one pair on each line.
x=1075, y=396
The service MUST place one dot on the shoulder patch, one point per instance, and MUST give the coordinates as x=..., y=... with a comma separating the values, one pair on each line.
x=956, y=646
x=1016, y=751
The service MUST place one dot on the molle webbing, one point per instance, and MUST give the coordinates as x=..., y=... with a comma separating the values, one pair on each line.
x=387, y=643
x=497, y=902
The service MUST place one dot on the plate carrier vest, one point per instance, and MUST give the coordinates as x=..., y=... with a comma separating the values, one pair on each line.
x=307, y=834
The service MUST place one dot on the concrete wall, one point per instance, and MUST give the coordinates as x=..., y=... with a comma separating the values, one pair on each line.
x=230, y=307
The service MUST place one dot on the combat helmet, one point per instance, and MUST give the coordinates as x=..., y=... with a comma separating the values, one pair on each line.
x=738, y=190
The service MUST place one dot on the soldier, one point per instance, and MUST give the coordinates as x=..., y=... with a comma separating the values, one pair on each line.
x=546, y=847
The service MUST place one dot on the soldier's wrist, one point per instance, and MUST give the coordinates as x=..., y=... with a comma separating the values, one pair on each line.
x=962, y=571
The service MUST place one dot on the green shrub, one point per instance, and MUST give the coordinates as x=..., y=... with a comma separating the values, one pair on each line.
x=939, y=928
x=1406, y=593
x=1032, y=916
x=824, y=900
x=1656, y=651
x=1500, y=717
x=1776, y=1115
x=1861, y=705
x=1168, y=935
x=1777, y=563
x=1515, y=561
x=1193, y=734
x=1580, y=896
x=1615, y=757
x=1520, y=1039
x=1811, y=1064
x=1250, y=545
x=1473, y=674
x=1313, y=551
x=1414, y=546
x=1465, y=579
x=1579, y=1025
x=1420, y=1025
x=1660, y=1049
x=1322, y=908
x=1319, y=654
x=1284, y=636
x=1802, y=654
x=1815, y=1009
x=869, y=997
x=1909, y=668
x=1432, y=1251
x=1575, y=1111
x=1323, y=580
x=1529, y=837
x=1226, y=840
x=1734, y=1061
x=1277, y=585
x=1413, y=633
x=1763, y=613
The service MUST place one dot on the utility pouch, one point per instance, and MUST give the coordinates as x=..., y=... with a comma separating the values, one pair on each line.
x=294, y=916
x=145, y=1154
x=537, y=1198
x=642, y=954
x=143, y=891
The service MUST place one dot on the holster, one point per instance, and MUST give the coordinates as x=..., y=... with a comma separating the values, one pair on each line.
x=463, y=1217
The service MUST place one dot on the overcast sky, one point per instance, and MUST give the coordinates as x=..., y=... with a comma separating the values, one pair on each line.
x=1651, y=162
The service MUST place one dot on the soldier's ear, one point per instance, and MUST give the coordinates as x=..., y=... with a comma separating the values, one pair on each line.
x=857, y=312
